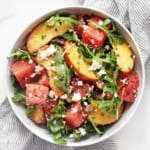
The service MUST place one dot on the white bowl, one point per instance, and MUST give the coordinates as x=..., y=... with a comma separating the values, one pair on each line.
x=139, y=67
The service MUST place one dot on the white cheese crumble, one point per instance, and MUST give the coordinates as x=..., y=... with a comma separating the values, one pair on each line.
x=52, y=62
x=49, y=51
x=38, y=69
x=95, y=65
x=115, y=95
x=53, y=68
x=85, y=27
x=107, y=47
x=85, y=103
x=30, y=95
x=101, y=72
x=76, y=97
x=82, y=131
x=74, y=110
x=30, y=61
x=80, y=83
x=33, y=75
x=27, y=85
x=124, y=81
x=55, y=78
x=100, y=22
x=92, y=41
x=52, y=95
x=65, y=96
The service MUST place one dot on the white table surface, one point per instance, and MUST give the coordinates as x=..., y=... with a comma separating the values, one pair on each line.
x=16, y=14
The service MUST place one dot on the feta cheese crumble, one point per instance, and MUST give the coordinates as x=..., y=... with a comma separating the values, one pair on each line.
x=115, y=95
x=33, y=75
x=38, y=69
x=95, y=65
x=82, y=131
x=30, y=61
x=124, y=81
x=49, y=51
x=52, y=94
x=80, y=83
x=65, y=96
x=85, y=27
x=100, y=22
x=76, y=97
x=101, y=72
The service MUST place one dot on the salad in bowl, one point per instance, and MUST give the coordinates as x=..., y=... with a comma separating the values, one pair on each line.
x=74, y=75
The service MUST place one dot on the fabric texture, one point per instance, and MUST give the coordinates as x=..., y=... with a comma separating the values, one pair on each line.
x=14, y=136
x=135, y=15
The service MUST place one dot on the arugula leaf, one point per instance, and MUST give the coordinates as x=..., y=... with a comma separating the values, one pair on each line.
x=76, y=135
x=71, y=37
x=112, y=36
x=19, y=97
x=57, y=20
x=58, y=139
x=20, y=54
x=58, y=58
x=29, y=111
x=60, y=109
x=106, y=22
x=62, y=70
x=111, y=106
x=56, y=124
x=99, y=129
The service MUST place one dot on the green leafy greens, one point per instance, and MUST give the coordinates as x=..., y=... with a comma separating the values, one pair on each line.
x=108, y=61
x=112, y=36
x=20, y=54
x=62, y=70
x=29, y=111
x=19, y=97
x=56, y=124
x=57, y=20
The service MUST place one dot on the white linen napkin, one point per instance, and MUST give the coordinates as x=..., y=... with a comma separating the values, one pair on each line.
x=135, y=15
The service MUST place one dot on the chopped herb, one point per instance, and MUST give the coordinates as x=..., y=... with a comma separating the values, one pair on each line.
x=43, y=36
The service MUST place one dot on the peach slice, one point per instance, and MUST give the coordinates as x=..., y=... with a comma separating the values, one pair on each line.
x=99, y=117
x=43, y=34
x=75, y=60
x=46, y=63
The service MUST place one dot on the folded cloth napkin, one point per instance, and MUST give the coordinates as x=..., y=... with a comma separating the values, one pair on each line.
x=135, y=15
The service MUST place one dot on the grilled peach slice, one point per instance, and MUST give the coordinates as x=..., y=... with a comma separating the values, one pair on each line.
x=42, y=34
x=46, y=63
x=125, y=60
x=99, y=117
x=75, y=60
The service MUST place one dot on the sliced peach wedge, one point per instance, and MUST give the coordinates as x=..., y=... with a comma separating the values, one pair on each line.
x=43, y=34
x=76, y=61
x=124, y=54
x=99, y=117
x=46, y=63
